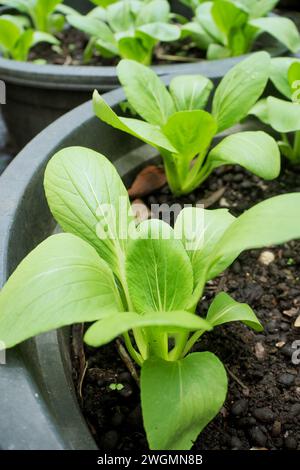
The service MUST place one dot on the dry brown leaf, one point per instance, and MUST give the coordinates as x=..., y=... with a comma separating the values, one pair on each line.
x=150, y=179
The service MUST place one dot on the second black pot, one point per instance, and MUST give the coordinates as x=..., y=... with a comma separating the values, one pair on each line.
x=36, y=95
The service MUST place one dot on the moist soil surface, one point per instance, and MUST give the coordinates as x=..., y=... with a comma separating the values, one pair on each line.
x=73, y=44
x=262, y=409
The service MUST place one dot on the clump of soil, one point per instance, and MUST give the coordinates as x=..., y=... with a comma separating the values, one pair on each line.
x=262, y=409
x=74, y=42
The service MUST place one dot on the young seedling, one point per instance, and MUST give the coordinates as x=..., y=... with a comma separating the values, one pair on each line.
x=283, y=115
x=37, y=21
x=143, y=283
x=47, y=16
x=227, y=28
x=17, y=38
x=182, y=131
x=127, y=28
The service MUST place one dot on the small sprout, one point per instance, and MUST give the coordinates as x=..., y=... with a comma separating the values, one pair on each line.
x=290, y=262
x=116, y=387
x=174, y=121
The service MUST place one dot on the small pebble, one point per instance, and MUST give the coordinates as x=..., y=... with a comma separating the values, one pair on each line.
x=236, y=443
x=266, y=257
x=260, y=351
x=265, y=415
x=276, y=429
x=290, y=443
x=126, y=391
x=117, y=419
x=258, y=437
x=109, y=440
x=287, y=350
x=246, y=422
x=239, y=407
x=297, y=323
x=295, y=409
x=286, y=379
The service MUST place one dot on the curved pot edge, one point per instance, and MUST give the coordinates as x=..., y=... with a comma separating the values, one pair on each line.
x=48, y=429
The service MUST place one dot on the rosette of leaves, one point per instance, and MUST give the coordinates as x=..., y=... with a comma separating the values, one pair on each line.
x=176, y=124
x=29, y=23
x=128, y=29
x=143, y=283
x=227, y=28
x=283, y=115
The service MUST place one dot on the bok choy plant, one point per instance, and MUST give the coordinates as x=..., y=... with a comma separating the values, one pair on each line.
x=16, y=38
x=182, y=131
x=227, y=28
x=283, y=115
x=47, y=16
x=143, y=283
x=127, y=28
x=37, y=21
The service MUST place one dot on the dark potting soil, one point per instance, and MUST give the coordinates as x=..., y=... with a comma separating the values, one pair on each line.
x=73, y=43
x=262, y=409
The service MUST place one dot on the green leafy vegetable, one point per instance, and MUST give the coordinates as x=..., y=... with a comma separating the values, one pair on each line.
x=178, y=126
x=143, y=283
x=37, y=21
x=283, y=115
x=16, y=40
x=127, y=28
x=227, y=28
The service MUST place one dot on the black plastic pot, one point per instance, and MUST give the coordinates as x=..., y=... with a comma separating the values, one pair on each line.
x=39, y=94
x=38, y=406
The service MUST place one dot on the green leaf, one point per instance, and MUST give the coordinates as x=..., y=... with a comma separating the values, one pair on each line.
x=87, y=197
x=198, y=34
x=190, y=132
x=23, y=45
x=39, y=36
x=62, y=281
x=240, y=89
x=282, y=29
x=9, y=34
x=271, y=222
x=217, y=52
x=179, y=398
x=161, y=31
x=262, y=7
x=279, y=74
x=136, y=48
x=153, y=12
x=228, y=16
x=95, y=28
x=120, y=16
x=159, y=272
x=105, y=330
x=283, y=116
x=200, y=230
x=149, y=133
x=206, y=20
x=225, y=309
x=256, y=151
x=190, y=92
x=145, y=92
